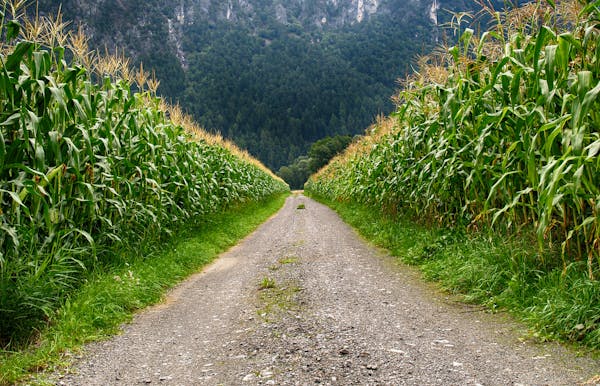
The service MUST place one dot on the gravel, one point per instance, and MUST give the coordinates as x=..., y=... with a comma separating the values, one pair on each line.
x=303, y=301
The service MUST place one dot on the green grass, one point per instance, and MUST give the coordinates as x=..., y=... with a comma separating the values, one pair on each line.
x=288, y=260
x=495, y=270
x=277, y=299
x=111, y=297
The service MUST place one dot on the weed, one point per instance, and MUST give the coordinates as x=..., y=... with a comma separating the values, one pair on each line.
x=288, y=260
x=267, y=283
x=301, y=206
x=282, y=298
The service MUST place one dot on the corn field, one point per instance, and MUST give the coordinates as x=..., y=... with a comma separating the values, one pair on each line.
x=500, y=130
x=89, y=169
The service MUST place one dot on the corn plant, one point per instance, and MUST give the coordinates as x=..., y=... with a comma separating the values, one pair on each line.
x=500, y=130
x=91, y=172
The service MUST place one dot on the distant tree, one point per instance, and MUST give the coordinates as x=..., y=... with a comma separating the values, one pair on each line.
x=288, y=174
x=319, y=155
x=297, y=173
x=325, y=149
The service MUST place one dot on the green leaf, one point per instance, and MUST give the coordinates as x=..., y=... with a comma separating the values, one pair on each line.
x=14, y=118
x=593, y=149
x=14, y=60
x=550, y=65
x=2, y=150
x=12, y=232
x=12, y=30
x=15, y=197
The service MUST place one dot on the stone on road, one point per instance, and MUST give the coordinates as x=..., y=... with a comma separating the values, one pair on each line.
x=303, y=300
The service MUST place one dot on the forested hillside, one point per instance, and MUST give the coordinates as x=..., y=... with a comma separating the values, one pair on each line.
x=272, y=76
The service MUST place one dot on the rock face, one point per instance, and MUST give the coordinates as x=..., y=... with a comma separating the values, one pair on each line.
x=254, y=14
x=125, y=15
x=318, y=13
x=143, y=27
x=308, y=13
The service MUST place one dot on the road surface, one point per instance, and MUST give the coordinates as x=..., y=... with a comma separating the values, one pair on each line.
x=306, y=301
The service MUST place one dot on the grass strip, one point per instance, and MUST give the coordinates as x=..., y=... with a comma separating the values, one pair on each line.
x=496, y=270
x=112, y=297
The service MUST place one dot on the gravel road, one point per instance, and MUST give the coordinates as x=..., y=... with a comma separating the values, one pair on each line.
x=303, y=301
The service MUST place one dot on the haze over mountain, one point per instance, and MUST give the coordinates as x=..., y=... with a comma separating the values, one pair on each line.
x=272, y=75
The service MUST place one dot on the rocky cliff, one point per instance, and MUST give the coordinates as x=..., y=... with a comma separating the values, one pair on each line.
x=137, y=25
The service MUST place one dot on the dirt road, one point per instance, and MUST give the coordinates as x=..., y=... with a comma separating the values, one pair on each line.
x=305, y=301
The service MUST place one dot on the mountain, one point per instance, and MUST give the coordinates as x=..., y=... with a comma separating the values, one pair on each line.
x=272, y=75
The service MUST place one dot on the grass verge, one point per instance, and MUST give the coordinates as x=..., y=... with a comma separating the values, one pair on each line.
x=110, y=298
x=496, y=270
